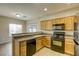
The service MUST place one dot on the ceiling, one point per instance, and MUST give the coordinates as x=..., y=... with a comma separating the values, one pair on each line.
x=28, y=11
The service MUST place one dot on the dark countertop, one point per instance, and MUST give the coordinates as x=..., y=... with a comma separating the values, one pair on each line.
x=29, y=36
x=33, y=35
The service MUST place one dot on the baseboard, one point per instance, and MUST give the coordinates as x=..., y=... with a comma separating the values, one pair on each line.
x=69, y=54
x=40, y=49
x=4, y=42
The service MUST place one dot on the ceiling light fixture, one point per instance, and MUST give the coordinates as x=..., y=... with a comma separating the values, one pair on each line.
x=45, y=9
x=17, y=15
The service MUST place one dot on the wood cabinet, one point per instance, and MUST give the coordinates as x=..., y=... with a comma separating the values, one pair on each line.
x=69, y=23
x=47, y=41
x=20, y=47
x=23, y=48
x=15, y=48
x=69, y=46
x=46, y=25
x=43, y=25
x=39, y=43
x=58, y=21
x=44, y=41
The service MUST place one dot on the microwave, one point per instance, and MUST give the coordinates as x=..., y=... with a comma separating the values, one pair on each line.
x=58, y=27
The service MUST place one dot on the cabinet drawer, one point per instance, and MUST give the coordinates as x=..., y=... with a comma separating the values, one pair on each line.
x=69, y=40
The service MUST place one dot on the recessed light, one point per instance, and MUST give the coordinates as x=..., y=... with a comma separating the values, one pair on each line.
x=45, y=9
x=17, y=15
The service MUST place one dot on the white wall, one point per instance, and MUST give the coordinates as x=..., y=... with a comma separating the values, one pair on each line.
x=4, y=27
x=29, y=22
x=65, y=13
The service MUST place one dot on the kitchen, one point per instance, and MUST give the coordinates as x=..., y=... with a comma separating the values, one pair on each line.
x=59, y=41
x=54, y=31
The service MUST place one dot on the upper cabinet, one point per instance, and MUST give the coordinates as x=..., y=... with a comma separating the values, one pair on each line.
x=58, y=21
x=68, y=21
x=43, y=25
x=46, y=25
x=49, y=25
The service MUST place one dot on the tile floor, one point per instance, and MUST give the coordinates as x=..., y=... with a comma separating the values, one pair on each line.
x=48, y=52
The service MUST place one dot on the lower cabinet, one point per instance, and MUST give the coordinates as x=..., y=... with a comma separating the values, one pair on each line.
x=15, y=47
x=69, y=46
x=23, y=48
x=29, y=47
x=47, y=41
x=43, y=41
x=39, y=43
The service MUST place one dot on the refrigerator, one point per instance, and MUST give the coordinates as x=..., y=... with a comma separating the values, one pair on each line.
x=76, y=37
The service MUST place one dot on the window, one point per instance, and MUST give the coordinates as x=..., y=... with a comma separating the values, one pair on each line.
x=15, y=28
x=32, y=28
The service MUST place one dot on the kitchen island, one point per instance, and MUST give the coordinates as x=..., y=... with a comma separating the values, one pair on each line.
x=26, y=44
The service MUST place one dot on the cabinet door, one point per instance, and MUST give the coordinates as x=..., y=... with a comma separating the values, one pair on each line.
x=42, y=25
x=69, y=23
x=23, y=48
x=38, y=43
x=48, y=41
x=48, y=25
x=15, y=46
x=69, y=46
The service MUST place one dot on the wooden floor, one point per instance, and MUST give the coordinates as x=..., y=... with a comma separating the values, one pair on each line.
x=6, y=50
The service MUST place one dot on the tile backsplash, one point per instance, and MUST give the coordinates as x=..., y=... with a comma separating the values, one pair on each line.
x=70, y=33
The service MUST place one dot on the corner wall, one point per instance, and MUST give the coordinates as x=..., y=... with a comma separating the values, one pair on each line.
x=4, y=27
